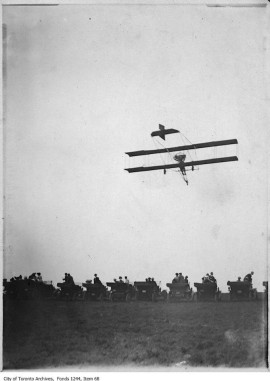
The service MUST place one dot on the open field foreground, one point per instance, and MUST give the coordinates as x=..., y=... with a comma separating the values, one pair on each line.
x=50, y=333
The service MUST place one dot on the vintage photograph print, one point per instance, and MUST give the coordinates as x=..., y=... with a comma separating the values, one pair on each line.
x=135, y=186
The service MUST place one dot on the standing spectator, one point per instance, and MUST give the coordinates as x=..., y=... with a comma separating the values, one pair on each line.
x=96, y=279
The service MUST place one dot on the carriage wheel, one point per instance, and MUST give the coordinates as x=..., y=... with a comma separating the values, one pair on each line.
x=34, y=294
x=164, y=295
x=73, y=296
x=83, y=295
x=255, y=295
x=252, y=295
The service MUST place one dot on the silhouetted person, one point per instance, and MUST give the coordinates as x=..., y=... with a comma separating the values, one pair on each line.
x=33, y=276
x=248, y=277
x=212, y=278
x=180, y=278
x=97, y=280
x=70, y=280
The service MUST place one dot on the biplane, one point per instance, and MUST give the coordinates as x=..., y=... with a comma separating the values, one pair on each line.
x=180, y=157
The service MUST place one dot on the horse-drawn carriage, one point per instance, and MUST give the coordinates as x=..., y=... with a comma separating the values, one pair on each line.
x=27, y=289
x=96, y=291
x=120, y=291
x=207, y=291
x=149, y=291
x=179, y=291
x=241, y=290
x=69, y=291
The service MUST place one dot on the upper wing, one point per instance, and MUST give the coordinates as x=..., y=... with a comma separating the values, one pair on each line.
x=183, y=148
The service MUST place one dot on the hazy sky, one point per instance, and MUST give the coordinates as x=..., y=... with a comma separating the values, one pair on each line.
x=84, y=85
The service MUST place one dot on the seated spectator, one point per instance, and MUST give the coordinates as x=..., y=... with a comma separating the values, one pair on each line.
x=248, y=277
x=212, y=278
x=181, y=278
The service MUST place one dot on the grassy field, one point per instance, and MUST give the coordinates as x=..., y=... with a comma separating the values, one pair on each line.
x=45, y=334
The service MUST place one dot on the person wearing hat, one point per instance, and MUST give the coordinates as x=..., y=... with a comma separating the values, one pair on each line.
x=212, y=278
x=32, y=276
x=175, y=279
x=248, y=277
x=120, y=280
x=39, y=277
x=186, y=279
x=96, y=279
x=70, y=280
x=239, y=279
x=180, y=278
x=126, y=280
